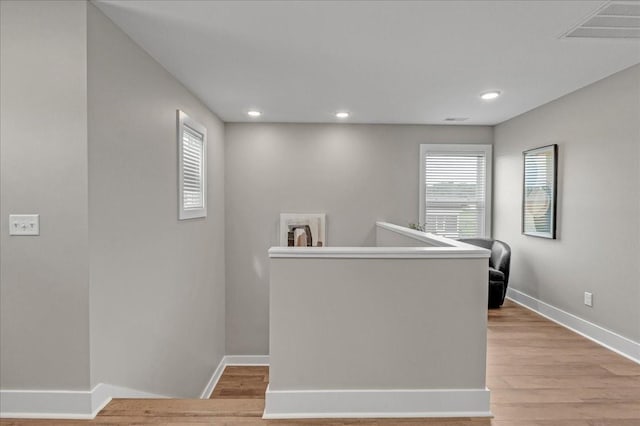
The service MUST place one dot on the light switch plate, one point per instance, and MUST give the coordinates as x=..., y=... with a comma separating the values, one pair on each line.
x=24, y=224
x=588, y=298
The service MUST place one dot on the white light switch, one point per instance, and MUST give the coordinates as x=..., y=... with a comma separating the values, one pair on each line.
x=24, y=224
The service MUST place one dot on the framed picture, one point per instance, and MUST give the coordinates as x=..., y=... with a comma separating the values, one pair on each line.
x=539, y=192
x=302, y=230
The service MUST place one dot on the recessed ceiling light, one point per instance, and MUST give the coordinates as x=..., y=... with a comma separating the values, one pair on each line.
x=342, y=114
x=487, y=96
x=254, y=113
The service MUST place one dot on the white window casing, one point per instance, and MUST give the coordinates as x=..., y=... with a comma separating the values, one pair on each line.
x=192, y=168
x=455, y=189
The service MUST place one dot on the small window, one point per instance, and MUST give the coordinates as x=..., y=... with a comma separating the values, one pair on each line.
x=192, y=168
x=455, y=190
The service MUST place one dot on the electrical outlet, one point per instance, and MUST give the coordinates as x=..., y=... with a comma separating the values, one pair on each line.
x=24, y=224
x=588, y=298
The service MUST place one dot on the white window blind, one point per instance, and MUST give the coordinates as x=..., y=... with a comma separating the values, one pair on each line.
x=192, y=149
x=455, y=190
x=192, y=139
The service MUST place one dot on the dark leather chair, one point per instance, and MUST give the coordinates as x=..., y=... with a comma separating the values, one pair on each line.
x=498, y=268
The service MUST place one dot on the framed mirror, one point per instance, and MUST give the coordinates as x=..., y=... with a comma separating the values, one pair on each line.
x=539, y=192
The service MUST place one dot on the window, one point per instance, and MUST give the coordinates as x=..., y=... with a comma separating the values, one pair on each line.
x=192, y=168
x=455, y=190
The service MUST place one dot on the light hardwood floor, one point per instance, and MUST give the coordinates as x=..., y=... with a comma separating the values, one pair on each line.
x=539, y=373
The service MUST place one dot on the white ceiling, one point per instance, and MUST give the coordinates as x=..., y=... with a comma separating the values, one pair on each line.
x=384, y=61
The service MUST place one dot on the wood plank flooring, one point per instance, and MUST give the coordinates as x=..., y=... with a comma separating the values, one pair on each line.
x=539, y=373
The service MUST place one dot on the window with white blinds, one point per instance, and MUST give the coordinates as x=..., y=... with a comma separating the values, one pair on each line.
x=192, y=142
x=455, y=190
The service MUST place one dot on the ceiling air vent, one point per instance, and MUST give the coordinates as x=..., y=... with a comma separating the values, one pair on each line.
x=615, y=19
x=456, y=118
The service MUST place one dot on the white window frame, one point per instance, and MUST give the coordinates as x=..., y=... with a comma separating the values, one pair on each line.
x=184, y=119
x=488, y=152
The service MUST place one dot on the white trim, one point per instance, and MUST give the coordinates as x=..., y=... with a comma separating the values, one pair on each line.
x=439, y=248
x=427, y=237
x=231, y=360
x=73, y=404
x=182, y=120
x=46, y=404
x=213, y=381
x=374, y=403
x=607, y=338
x=488, y=152
x=100, y=397
x=377, y=253
x=63, y=404
x=246, y=360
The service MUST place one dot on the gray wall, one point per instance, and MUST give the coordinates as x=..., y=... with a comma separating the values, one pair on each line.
x=157, y=284
x=44, y=280
x=357, y=174
x=597, y=130
x=344, y=327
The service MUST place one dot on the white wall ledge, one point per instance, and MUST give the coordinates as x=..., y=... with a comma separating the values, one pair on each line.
x=436, y=247
x=377, y=252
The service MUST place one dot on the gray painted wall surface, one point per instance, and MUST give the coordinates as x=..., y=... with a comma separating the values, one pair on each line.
x=157, y=284
x=44, y=280
x=597, y=130
x=356, y=174
x=378, y=324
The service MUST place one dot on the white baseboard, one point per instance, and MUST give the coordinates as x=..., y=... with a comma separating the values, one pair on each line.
x=607, y=338
x=104, y=393
x=46, y=404
x=246, y=360
x=231, y=360
x=213, y=381
x=63, y=404
x=305, y=404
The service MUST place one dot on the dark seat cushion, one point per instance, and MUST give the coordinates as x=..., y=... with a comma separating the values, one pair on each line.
x=496, y=293
x=499, y=266
x=495, y=275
